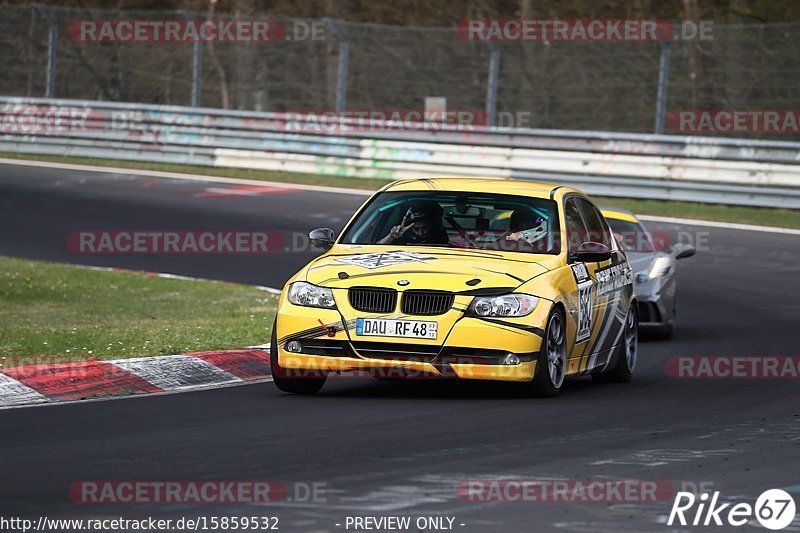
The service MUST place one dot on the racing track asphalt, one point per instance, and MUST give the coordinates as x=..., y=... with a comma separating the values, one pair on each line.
x=396, y=448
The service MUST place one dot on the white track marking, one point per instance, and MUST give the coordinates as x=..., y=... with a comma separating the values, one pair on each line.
x=715, y=224
x=12, y=392
x=185, y=176
x=173, y=372
x=271, y=290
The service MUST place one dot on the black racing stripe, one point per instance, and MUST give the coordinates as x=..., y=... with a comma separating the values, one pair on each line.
x=396, y=184
x=523, y=327
x=486, y=291
x=317, y=331
x=481, y=254
x=512, y=276
x=369, y=274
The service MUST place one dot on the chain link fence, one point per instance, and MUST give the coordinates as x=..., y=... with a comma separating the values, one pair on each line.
x=612, y=86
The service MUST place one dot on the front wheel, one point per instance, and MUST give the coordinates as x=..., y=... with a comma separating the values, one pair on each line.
x=551, y=368
x=292, y=385
x=627, y=352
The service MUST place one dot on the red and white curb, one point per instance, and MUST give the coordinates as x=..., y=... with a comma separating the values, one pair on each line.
x=65, y=382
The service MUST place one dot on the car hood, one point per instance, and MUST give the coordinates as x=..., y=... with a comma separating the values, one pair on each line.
x=421, y=267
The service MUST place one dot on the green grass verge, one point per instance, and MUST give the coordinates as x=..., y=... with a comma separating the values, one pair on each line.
x=787, y=218
x=53, y=313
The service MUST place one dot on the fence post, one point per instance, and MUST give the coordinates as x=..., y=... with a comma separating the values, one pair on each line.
x=344, y=60
x=52, y=45
x=491, y=83
x=197, y=72
x=197, y=67
x=663, y=81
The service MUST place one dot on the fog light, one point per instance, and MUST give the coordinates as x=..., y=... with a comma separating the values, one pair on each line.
x=294, y=347
x=511, y=359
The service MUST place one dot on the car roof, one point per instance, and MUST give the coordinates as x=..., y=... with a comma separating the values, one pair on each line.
x=486, y=185
x=618, y=213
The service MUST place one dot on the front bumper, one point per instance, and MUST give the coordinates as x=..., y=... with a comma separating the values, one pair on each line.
x=467, y=347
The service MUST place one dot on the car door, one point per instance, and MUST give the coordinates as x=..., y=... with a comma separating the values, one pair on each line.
x=589, y=310
x=611, y=279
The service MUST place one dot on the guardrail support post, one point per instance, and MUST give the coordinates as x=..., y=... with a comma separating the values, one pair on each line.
x=663, y=80
x=344, y=60
x=52, y=45
x=492, y=82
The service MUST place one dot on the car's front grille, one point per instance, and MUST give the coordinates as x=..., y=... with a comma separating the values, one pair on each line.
x=396, y=351
x=427, y=302
x=371, y=300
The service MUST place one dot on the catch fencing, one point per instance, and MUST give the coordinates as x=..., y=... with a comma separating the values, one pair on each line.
x=322, y=64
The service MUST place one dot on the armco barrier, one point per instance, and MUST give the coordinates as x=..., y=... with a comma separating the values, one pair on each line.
x=700, y=169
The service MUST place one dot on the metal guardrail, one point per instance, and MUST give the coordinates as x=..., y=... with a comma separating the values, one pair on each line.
x=698, y=169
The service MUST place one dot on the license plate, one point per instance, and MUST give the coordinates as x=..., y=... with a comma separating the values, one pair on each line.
x=385, y=327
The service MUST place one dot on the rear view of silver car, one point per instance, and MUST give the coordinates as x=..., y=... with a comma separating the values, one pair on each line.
x=655, y=270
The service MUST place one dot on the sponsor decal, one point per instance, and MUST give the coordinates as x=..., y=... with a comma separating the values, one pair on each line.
x=584, y=312
x=580, y=272
x=585, y=301
x=383, y=259
x=613, y=278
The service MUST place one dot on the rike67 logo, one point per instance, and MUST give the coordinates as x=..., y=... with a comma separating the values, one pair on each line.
x=774, y=509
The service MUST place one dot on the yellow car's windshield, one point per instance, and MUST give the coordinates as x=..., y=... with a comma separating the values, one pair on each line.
x=458, y=220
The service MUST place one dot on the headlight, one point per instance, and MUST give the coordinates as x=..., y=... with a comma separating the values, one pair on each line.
x=506, y=305
x=308, y=295
x=661, y=267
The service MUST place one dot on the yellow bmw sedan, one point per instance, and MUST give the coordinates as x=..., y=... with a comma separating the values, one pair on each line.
x=462, y=278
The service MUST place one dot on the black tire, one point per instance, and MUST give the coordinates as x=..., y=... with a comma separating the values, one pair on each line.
x=666, y=331
x=627, y=353
x=292, y=385
x=548, y=381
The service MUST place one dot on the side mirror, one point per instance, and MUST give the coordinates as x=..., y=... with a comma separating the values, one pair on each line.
x=591, y=252
x=322, y=238
x=681, y=251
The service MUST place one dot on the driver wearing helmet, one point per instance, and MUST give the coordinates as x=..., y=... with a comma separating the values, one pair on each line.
x=422, y=224
x=526, y=226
